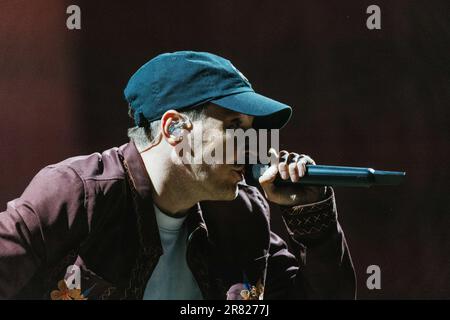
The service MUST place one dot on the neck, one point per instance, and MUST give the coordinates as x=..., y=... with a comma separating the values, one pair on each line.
x=170, y=191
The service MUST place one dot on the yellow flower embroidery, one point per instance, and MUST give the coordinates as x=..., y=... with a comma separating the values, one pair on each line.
x=245, y=294
x=255, y=293
x=64, y=293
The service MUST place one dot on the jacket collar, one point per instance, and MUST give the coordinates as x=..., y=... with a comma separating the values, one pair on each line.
x=137, y=171
x=141, y=183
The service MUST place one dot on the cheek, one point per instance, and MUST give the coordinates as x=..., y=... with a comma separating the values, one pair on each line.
x=214, y=145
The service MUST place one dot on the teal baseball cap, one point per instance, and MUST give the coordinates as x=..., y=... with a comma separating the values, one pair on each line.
x=186, y=79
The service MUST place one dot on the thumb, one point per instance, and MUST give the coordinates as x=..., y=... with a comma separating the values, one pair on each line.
x=270, y=175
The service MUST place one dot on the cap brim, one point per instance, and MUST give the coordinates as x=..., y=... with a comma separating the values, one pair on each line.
x=269, y=114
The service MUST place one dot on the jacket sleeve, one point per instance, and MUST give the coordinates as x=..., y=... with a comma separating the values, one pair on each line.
x=315, y=263
x=40, y=227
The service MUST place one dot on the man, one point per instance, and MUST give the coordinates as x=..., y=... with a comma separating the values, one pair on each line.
x=139, y=222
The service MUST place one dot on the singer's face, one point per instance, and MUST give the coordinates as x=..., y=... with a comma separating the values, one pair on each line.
x=218, y=173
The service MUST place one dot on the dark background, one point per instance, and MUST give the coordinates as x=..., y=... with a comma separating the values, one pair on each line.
x=365, y=98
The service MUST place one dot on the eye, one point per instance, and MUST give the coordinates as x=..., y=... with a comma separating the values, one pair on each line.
x=235, y=124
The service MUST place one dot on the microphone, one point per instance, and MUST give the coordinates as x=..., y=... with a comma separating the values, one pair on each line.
x=323, y=175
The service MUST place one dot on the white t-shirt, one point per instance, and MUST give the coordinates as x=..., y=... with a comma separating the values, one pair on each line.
x=172, y=279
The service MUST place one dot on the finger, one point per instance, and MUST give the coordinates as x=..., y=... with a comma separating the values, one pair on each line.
x=308, y=159
x=293, y=171
x=301, y=167
x=282, y=165
x=292, y=166
x=301, y=164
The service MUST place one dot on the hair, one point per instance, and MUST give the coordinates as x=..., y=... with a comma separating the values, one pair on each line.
x=143, y=136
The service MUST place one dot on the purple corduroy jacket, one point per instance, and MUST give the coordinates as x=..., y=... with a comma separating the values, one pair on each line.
x=95, y=212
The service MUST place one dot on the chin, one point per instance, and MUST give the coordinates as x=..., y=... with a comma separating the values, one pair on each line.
x=227, y=194
x=233, y=195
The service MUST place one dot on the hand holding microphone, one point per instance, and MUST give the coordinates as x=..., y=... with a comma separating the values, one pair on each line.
x=292, y=167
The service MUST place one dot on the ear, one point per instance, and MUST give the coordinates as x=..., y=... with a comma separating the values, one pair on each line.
x=172, y=124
